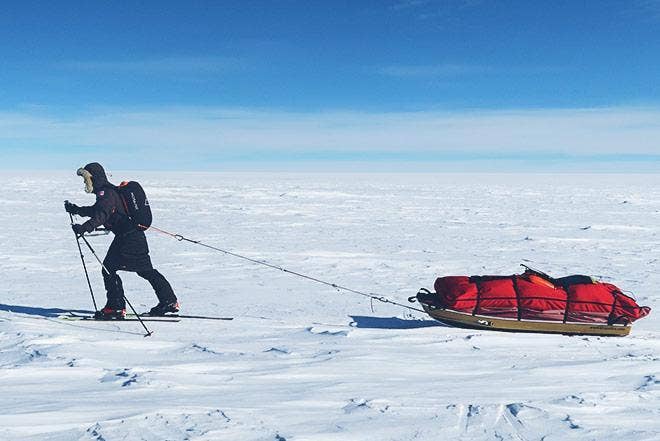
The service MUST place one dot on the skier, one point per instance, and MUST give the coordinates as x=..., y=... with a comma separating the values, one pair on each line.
x=129, y=250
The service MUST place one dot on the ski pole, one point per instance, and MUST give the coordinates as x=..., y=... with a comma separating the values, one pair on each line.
x=82, y=258
x=148, y=332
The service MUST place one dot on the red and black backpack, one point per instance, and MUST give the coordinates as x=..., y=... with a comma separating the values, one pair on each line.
x=136, y=204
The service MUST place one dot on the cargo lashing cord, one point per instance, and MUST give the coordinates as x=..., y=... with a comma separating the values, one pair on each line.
x=372, y=297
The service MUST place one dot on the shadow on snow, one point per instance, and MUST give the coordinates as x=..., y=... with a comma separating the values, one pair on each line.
x=362, y=321
x=42, y=312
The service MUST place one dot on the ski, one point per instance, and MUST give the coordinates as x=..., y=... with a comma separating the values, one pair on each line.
x=127, y=319
x=184, y=316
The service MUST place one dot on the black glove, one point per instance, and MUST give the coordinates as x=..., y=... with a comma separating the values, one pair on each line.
x=79, y=229
x=71, y=208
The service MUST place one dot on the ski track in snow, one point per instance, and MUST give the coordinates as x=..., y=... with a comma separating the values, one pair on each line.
x=302, y=361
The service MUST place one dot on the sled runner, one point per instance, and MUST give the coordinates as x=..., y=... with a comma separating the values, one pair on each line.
x=532, y=302
x=464, y=320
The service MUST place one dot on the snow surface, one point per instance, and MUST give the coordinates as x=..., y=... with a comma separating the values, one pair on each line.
x=302, y=361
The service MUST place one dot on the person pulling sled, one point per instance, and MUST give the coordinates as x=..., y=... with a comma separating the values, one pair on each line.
x=129, y=250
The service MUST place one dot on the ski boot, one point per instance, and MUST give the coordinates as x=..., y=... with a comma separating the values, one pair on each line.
x=108, y=313
x=163, y=308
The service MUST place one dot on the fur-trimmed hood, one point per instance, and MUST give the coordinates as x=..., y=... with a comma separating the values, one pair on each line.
x=94, y=176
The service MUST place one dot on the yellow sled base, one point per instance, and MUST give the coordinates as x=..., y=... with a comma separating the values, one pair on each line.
x=463, y=320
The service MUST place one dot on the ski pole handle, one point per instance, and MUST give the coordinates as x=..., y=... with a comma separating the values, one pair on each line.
x=71, y=208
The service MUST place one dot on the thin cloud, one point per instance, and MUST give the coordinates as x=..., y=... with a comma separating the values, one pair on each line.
x=462, y=70
x=200, y=132
x=651, y=7
x=445, y=10
x=438, y=70
x=408, y=4
x=640, y=11
x=174, y=65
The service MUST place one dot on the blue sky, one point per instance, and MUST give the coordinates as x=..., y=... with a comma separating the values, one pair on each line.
x=278, y=83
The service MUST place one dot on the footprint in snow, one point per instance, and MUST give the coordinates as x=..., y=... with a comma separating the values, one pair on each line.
x=498, y=421
x=161, y=425
x=356, y=404
x=95, y=432
x=360, y=404
x=124, y=376
x=571, y=424
x=649, y=382
x=278, y=351
x=317, y=331
x=328, y=354
x=634, y=356
x=572, y=400
x=201, y=348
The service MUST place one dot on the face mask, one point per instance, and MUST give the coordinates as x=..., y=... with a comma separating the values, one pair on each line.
x=87, y=176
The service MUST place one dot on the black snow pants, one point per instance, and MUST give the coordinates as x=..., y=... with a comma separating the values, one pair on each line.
x=130, y=252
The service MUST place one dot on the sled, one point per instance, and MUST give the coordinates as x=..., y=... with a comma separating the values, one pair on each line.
x=532, y=302
x=465, y=320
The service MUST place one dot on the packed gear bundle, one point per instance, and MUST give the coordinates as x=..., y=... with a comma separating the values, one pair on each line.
x=532, y=302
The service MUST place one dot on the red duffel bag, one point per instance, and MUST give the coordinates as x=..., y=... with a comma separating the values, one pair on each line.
x=536, y=296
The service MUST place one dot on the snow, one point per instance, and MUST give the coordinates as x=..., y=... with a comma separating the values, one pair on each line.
x=302, y=361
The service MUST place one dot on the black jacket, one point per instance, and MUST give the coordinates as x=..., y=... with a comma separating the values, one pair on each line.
x=109, y=209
